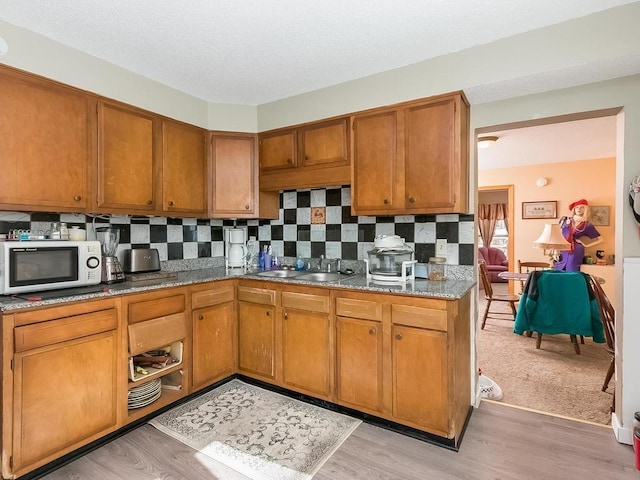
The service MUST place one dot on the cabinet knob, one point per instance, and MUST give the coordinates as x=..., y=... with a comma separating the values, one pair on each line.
x=412, y=200
x=246, y=207
x=77, y=198
x=170, y=203
x=149, y=202
x=398, y=336
x=289, y=160
x=386, y=201
x=268, y=313
x=286, y=316
x=306, y=157
x=372, y=331
x=200, y=317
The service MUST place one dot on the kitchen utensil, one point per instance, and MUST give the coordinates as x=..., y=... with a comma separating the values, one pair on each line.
x=391, y=260
x=236, y=247
x=139, y=260
x=109, y=238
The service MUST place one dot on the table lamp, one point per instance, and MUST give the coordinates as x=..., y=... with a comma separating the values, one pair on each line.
x=551, y=241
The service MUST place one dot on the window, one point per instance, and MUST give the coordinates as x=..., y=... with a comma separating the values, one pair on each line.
x=500, y=238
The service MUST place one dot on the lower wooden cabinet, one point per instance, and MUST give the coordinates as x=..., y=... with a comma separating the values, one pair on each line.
x=65, y=375
x=405, y=359
x=306, y=342
x=214, y=334
x=257, y=332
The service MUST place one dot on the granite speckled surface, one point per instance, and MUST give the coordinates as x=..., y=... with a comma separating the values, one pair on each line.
x=452, y=288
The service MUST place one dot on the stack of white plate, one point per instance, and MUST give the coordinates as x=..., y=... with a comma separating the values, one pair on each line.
x=144, y=394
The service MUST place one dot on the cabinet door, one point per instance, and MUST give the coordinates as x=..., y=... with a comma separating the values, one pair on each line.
x=325, y=143
x=184, y=169
x=278, y=150
x=126, y=163
x=359, y=362
x=214, y=341
x=45, y=145
x=234, y=175
x=374, y=162
x=256, y=339
x=305, y=346
x=64, y=393
x=431, y=165
x=420, y=387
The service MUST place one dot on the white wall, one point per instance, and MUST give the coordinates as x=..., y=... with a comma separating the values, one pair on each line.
x=37, y=54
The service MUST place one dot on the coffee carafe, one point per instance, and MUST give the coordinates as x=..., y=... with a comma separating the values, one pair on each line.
x=236, y=248
x=109, y=238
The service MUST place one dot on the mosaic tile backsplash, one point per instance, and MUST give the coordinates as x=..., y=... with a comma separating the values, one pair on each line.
x=292, y=234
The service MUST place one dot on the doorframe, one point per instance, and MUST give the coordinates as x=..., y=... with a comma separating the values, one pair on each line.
x=510, y=218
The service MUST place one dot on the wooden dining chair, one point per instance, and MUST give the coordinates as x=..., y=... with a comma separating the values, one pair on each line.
x=491, y=297
x=607, y=314
x=527, y=267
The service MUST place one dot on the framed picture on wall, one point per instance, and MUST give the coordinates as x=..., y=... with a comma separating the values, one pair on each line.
x=599, y=215
x=540, y=209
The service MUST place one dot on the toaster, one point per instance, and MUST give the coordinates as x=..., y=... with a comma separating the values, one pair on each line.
x=138, y=260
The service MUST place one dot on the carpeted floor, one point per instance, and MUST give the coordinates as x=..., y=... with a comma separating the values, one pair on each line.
x=553, y=379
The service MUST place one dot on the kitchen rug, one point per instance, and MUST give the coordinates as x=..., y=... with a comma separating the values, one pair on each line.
x=261, y=434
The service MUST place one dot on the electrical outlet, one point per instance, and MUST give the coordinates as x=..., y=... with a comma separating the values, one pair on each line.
x=441, y=247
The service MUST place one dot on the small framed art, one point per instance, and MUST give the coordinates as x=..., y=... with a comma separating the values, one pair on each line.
x=540, y=209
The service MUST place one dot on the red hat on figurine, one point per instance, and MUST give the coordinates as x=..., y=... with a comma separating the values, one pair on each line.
x=582, y=201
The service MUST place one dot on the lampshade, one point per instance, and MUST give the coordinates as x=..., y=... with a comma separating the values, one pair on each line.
x=552, y=238
x=486, y=142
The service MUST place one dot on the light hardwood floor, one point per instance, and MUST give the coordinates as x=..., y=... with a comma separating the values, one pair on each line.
x=501, y=442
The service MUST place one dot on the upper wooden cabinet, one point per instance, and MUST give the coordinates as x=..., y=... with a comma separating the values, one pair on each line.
x=45, y=134
x=184, y=169
x=412, y=158
x=278, y=149
x=310, y=155
x=126, y=159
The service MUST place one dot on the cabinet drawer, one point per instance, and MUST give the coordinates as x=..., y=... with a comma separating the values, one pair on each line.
x=56, y=331
x=214, y=296
x=145, y=336
x=306, y=301
x=146, y=310
x=419, y=317
x=257, y=295
x=353, y=308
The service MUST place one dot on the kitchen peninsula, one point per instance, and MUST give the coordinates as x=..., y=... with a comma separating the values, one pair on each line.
x=396, y=355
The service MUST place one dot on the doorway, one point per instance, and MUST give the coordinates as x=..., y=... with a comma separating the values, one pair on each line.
x=553, y=379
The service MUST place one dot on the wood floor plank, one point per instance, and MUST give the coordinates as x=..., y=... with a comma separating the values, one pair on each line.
x=501, y=442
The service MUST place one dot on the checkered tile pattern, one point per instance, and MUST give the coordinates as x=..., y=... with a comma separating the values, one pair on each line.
x=292, y=234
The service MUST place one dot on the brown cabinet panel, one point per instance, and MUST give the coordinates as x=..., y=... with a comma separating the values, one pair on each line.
x=305, y=351
x=234, y=175
x=64, y=394
x=325, y=143
x=359, y=363
x=375, y=162
x=216, y=294
x=257, y=295
x=214, y=343
x=420, y=378
x=147, y=306
x=156, y=333
x=46, y=134
x=419, y=317
x=278, y=150
x=256, y=339
x=306, y=301
x=184, y=169
x=126, y=159
x=431, y=169
x=412, y=158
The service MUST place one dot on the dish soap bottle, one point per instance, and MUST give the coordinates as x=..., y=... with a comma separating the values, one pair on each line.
x=299, y=266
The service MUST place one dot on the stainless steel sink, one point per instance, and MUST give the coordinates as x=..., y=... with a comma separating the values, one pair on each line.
x=322, y=277
x=280, y=273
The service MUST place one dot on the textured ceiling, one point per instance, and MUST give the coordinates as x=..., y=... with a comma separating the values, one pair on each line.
x=558, y=142
x=253, y=52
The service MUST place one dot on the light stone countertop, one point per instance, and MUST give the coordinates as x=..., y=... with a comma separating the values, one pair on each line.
x=447, y=289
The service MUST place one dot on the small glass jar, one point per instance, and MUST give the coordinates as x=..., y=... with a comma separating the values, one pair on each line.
x=437, y=268
x=64, y=231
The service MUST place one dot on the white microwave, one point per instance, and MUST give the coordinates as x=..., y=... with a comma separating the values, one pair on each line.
x=32, y=266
